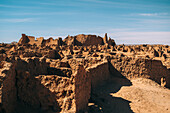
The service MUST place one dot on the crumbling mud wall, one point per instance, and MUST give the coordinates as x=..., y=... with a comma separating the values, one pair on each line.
x=83, y=40
x=39, y=41
x=44, y=88
x=32, y=83
x=8, y=90
x=130, y=67
x=86, y=80
x=79, y=40
x=82, y=89
x=158, y=72
x=145, y=68
x=87, y=40
x=35, y=66
x=52, y=90
x=99, y=73
x=19, y=86
x=63, y=92
x=34, y=94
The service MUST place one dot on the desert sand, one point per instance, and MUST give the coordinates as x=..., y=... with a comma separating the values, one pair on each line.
x=138, y=95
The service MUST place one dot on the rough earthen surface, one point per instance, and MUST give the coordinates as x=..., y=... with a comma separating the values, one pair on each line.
x=73, y=75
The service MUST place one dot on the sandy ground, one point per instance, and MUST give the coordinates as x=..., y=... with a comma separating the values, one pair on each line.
x=139, y=95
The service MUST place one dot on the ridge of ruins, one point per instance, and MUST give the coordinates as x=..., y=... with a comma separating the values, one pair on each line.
x=60, y=75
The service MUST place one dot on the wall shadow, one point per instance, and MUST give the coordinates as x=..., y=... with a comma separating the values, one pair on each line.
x=114, y=72
x=102, y=101
x=59, y=72
x=34, y=97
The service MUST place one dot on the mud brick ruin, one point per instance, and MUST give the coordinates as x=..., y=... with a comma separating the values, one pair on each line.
x=55, y=75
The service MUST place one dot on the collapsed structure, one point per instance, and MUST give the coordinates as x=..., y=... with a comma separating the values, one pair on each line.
x=60, y=75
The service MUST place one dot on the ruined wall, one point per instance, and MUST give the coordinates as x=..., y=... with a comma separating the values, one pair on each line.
x=8, y=95
x=32, y=83
x=35, y=66
x=30, y=77
x=87, y=40
x=145, y=68
x=158, y=72
x=62, y=90
x=50, y=41
x=71, y=92
x=79, y=40
x=82, y=89
x=83, y=40
x=19, y=86
x=130, y=67
x=52, y=89
x=86, y=80
x=39, y=41
x=32, y=93
x=99, y=73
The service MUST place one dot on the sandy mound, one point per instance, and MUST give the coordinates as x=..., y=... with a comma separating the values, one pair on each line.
x=138, y=95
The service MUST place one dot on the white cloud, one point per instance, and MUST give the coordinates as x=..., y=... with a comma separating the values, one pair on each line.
x=155, y=22
x=18, y=20
x=46, y=13
x=8, y=6
x=141, y=37
x=20, y=6
x=153, y=14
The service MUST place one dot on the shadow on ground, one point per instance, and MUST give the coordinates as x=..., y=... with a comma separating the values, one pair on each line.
x=103, y=102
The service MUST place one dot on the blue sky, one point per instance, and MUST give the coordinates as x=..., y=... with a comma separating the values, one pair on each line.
x=126, y=21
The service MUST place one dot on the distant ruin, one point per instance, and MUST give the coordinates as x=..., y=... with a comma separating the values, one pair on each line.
x=56, y=75
x=79, y=40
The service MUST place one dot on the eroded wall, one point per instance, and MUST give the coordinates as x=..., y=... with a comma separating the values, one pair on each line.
x=20, y=86
x=36, y=86
x=46, y=88
x=158, y=72
x=145, y=68
x=63, y=92
x=99, y=73
x=8, y=92
x=82, y=89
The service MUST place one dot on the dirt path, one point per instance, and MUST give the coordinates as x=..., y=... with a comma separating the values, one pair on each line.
x=123, y=96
